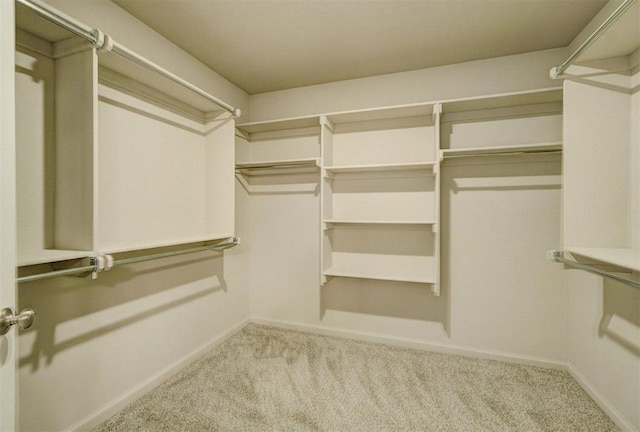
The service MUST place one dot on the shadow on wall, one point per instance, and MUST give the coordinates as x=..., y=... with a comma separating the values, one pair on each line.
x=621, y=315
x=72, y=311
x=412, y=301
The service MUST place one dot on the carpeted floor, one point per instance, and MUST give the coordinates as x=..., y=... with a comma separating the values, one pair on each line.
x=266, y=379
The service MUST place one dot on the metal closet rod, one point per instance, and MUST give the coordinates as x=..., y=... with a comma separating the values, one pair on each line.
x=557, y=71
x=96, y=38
x=558, y=256
x=93, y=267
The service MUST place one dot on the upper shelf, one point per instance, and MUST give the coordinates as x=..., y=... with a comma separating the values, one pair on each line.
x=279, y=125
x=507, y=100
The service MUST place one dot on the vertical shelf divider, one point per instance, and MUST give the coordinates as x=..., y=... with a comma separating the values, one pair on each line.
x=326, y=158
x=437, y=114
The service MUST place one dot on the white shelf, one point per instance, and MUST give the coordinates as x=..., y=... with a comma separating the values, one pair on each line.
x=506, y=100
x=381, y=167
x=377, y=222
x=377, y=114
x=375, y=274
x=278, y=164
x=622, y=257
x=502, y=150
x=279, y=125
x=44, y=256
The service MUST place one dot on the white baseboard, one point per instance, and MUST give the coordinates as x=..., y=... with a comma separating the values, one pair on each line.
x=93, y=420
x=602, y=401
x=416, y=344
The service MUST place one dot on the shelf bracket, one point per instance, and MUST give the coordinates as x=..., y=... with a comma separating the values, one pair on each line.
x=324, y=121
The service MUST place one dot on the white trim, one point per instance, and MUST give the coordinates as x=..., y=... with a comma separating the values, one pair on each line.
x=417, y=344
x=96, y=418
x=601, y=400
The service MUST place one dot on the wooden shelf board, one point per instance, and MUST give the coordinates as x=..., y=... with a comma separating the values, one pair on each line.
x=506, y=100
x=44, y=256
x=286, y=163
x=525, y=148
x=381, y=167
x=360, y=274
x=373, y=114
x=621, y=257
x=377, y=222
x=278, y=125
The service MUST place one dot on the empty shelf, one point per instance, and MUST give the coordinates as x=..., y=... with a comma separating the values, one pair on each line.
x=414, y=277
x=378, y=222
x=502, y=150
x=279, y=164
x=381, y=167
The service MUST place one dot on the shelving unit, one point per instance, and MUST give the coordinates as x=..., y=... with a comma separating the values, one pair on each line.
x=281, y=147
x=603, y=152
x=380, y=172
x=379, y=195
x=94, y=131
x=54, y=136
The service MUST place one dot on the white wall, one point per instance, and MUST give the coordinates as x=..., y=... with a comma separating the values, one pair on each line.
x=99, y=343
x=499, y=295
x=482, y=77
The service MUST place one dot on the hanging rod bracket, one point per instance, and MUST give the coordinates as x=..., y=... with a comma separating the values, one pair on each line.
x=559, y=257
x=557, y=72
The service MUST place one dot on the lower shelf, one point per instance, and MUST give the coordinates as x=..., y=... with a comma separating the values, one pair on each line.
x=416, y=277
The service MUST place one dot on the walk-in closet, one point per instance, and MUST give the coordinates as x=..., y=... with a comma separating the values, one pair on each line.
x=239, y=215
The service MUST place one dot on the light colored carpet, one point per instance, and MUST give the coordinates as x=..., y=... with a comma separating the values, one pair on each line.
x=267, y=379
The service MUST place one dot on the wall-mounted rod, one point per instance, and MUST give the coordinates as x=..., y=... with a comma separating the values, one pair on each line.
x=558, y=256
x=557, y=71
x=152, y=67
x=61, y=20
x=105, y=42
x=94, y=266
x=235, y=241
x=66, y=272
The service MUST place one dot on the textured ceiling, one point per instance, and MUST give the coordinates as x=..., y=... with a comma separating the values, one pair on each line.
x=268, y=45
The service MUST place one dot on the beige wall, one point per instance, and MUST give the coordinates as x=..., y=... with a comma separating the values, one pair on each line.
x=483, y=77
